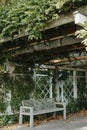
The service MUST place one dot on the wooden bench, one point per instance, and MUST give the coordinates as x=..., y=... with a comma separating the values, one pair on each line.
x=33, y=107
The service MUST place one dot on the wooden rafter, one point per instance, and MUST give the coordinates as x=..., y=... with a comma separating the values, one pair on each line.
x=65, y=68
x=48, y=45
x=68, y=59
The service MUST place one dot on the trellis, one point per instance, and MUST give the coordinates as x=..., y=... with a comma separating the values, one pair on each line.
x=43, y=86
x=66, y=90
x=70, y=88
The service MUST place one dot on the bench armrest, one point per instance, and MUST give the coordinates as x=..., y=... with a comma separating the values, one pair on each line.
x=25, y=109
x=59, y=103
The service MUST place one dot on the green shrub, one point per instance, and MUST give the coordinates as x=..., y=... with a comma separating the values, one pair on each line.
x=75, y=105
x=8, y=119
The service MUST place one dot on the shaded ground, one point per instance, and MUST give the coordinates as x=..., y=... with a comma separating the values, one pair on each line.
x=76, y=121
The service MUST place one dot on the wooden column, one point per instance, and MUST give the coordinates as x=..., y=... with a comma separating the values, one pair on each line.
x=51, y=88
x=74, y=85
x=57, y=85
x=8, y=110
x=62, y=91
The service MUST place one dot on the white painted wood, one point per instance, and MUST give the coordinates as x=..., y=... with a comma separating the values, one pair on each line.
x=31, y=118
x=20, y=116
x=40, y=106
x=74, y=84
x=8, y=100
x=80, y=19
x=57, y=87
x=51, y=88
x=62, y=96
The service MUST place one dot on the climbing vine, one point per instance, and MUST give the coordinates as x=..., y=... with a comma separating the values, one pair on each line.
x=20, y=84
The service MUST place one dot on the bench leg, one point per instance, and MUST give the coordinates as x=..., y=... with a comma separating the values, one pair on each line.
x=20, y=119
x=31, y=121
x=64, y=114
x=54, y=114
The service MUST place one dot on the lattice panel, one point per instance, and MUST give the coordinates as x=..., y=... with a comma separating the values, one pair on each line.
x=43, y=85
x=66, y=90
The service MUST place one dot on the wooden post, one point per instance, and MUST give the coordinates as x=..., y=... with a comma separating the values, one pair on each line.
x=8, y=109
x=74, y=84
x=57, y=85
x=51, y=88
x=62, y=91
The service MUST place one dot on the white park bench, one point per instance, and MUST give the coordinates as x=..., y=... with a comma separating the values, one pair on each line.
x=33, y=107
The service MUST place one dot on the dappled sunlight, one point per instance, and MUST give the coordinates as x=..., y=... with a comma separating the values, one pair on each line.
x=84, y=128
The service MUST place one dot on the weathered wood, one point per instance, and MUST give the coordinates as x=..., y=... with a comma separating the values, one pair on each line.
x=68, y=59
x=63, y=19
x=48, y=45
x=64, y=68
x=56, y=85
x=75, y=69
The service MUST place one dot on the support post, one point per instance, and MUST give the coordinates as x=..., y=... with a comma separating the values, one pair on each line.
x=51, y=88
x=74, y=84
x=62, y=91
x=64, y=112
x=31, y=118
x=57, y=85
x=8, y=110
x=20, y=116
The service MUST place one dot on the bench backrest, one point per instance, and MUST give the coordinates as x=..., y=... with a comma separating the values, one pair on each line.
x=40, y=104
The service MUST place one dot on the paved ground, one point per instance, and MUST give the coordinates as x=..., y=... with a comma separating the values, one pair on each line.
x=74, y=123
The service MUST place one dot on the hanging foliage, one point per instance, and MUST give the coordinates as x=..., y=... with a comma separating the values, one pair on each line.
x=83, y=34
x=31, y=16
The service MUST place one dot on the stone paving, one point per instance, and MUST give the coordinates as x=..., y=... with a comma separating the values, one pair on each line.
x=74, y=123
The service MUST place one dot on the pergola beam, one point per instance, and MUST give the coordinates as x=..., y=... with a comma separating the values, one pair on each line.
x=63, y=68
x=68, y=59
x=80, y=19
x=63, y=19
x=52, y=44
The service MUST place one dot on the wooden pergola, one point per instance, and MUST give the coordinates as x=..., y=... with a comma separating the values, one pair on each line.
x=59, y=48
